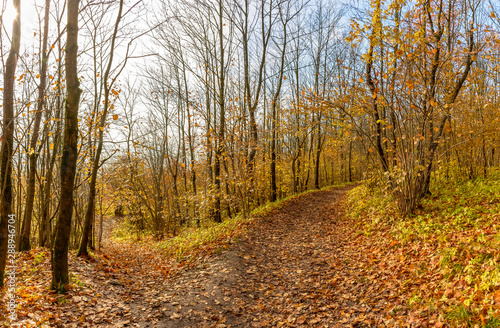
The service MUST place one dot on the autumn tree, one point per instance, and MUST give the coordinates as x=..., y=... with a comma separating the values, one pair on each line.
x=414, y=72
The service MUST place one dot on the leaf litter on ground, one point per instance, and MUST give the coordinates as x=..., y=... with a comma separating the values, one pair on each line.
x=303, y=263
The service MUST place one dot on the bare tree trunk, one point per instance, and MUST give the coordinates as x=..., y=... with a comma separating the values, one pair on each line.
x=7, y=139
x=33, y=152
x=274, y=115
x=350, y=161
x=273, y=148
x=192, y=160
x=222, y=117
x=44, y=233
x=249, y=99
x=374, y=93
x=451, y=100
x=319, y=146
x=87, y=227
x=69, y=154
x=100, y=219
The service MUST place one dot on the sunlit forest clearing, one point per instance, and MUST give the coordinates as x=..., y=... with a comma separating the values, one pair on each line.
x=243, y=163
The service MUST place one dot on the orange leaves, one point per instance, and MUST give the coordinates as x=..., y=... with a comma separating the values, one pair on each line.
x=496, y=297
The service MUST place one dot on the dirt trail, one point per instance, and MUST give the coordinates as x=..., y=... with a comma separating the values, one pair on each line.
x=298, y=266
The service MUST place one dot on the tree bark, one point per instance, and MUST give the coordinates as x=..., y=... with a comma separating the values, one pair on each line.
x=7, y=139
x=44, y=233
x=319, y=147
x=274, y=115
x=89, y=214
x=33, y=152
x=374, y=93
x=69, y=156
x=222, y=118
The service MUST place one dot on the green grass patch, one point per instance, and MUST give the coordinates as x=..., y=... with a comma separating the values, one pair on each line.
x=492, y=323
x=459, y=315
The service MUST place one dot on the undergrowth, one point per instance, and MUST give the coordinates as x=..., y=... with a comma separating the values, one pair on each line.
x=458, y=227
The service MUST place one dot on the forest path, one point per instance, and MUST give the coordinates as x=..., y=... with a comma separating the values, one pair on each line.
x=300, y=265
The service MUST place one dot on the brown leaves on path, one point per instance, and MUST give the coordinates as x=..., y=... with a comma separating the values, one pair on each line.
x=302, y=265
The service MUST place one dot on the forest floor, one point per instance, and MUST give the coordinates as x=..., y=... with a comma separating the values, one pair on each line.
x=303, y=264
